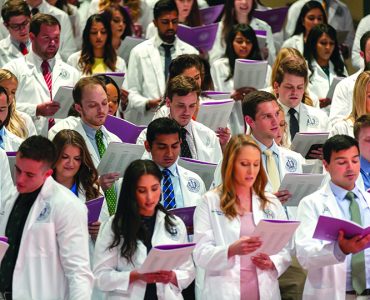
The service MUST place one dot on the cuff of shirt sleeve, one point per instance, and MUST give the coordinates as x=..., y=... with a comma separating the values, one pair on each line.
x=338, y=253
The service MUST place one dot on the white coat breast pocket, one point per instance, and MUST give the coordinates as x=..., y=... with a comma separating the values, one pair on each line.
x=41, y=240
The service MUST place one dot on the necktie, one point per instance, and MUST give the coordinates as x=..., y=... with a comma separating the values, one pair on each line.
x=358, y=259
x=48, y=79
x=185, y=150
x=2, y=146
x=23, y=48
x=167, y=189
x=167, y=58
x=110, y=194
x=293, y=123
x=272, y=170
x=34, y=11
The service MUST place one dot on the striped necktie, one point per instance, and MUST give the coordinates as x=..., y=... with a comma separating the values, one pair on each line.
x=167, y=189
x=46, y=72
x=185, y=149
x=23, y=48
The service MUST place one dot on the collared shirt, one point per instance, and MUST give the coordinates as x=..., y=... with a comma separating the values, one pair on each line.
x=340, y=194
x=91, y=132
x=158, y=42
x=190, y=139
x=287, y=115
x=37, y=61
x=365, y=172
x=2, y=137
x=175, y=178
x=16, y=44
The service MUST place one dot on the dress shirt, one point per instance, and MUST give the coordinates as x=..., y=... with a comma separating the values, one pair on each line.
x=91, y=132
x=37, y=61
x=190, y=140
x=158, y=42
x=287, y=115
x=175, y=178
x=2, y=136
x=365, y=172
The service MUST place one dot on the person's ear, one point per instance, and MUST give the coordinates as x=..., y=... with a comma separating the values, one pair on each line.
x=168, y=102
x=248, y=120
x=48, y=173
x=32, y=37
x=155, y=22
x=362, y=54
x=78, y=108
x=147, y=146
x=276, y=87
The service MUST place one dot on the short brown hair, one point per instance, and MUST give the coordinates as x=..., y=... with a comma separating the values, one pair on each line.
x=13, y=8
x=40, y=19
x=182, y=85
x=361, y=122
x=252, y=100
x=294, y=66
x=81, y=84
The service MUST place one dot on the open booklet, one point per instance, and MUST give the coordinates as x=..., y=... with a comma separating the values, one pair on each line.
x=205, y=170
x=210, y=14
x=118, y=156
x=201, y=37
x=3, y=246
x=250, y=73
x=166, y=257
x=215, y=114
x=274, y=234
x=300, y=186
x=186, y=214
x=94, y=208
x=11, y=159
x=334, y=83
x=217, y=95
x=128, y=132
x=305, y=142
x=127, y=45
x=65, y=99
x=274, y=17
x=261, y=36
x=327, y=229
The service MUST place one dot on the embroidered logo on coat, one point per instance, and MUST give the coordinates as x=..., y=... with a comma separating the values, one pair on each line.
x=193, y=185
x=291, y=164
x=312, y=121
x=45, y=213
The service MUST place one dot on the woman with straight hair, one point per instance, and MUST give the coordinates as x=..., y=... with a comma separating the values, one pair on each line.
x=224, y=223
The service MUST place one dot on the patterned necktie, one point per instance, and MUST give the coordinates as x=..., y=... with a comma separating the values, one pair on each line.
x=110, y=194
x=358, y=259
x=23, y=48
x=2, y=146
x=48, y=79
x=167, y=189
x=35, y=11
x=293, y=123
x=167, y=58
x=272, y=170
x=185, y=149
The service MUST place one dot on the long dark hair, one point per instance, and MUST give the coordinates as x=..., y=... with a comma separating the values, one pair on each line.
x=87, y=175
x=193, y=19
x=304, y=11
x=108, y=14
x=230, y=54
x=127, y=225
x=87, y=59
x=310, y=48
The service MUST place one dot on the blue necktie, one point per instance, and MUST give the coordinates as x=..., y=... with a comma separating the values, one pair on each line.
x=167, y=189
x=2, y=146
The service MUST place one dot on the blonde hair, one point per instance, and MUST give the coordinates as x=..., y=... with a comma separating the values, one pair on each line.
x=359, y=96
x=16, y=124
x=228, y=196
x=290, y=54
x=284, y=140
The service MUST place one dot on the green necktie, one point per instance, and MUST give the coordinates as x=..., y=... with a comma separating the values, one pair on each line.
x=110, y=194
x=358, y=259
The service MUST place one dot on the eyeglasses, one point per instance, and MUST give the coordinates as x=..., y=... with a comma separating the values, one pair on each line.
x=18, y=27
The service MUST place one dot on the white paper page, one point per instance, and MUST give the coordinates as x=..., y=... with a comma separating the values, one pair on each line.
x=300, y=185
x=205, y=171
x=216, y=95
x=215, y=116
x=65, y=98
x=250, y=74
x=302, y=142
x=127, y=45
x=274, y=236
x=334, y=83
x=165, y=260
x=118, y=156
x=3, y=247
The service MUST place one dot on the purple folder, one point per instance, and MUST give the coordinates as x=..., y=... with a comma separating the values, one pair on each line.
x=201, y=37
x=274, y=17
x=185, y=214
x=11, y=153
x=125, y=130
x=210, y=14
x=94, y=207
x=217, y=102
x=3, y=239
x=327, y=229
x=174, y=246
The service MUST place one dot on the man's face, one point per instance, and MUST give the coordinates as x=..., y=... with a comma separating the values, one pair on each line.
x=94, y=106
x=291, y=90
x=344, y=167
x=364, y=142
x=4, y=108
x=19, y=27
x=182, y=108
x=366, y=54
x=46, y=43
x=165, y=149
x=167, y=26
x=30, y=174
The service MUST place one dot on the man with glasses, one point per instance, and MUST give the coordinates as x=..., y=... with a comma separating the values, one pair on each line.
x=16, y=16
x=149, y=62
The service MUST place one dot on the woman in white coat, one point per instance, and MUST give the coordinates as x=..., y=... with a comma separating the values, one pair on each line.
x=224, y=222
x=139, y=224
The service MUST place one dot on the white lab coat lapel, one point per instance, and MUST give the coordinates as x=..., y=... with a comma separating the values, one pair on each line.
x=331, y=11
x=156, y=61
x=330, y=206
x=38, y=74
x=303, y=116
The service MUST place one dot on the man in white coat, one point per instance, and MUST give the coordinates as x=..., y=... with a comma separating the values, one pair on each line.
x=46, y=226
x=40, y=73
x=149, y=62
x=16, y=16
x=340, y=269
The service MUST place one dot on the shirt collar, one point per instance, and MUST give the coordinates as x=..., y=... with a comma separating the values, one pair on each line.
x=274, y=147
x=90, y=132
x=172, y=169
x=2, y=131
x=340, y=193
x=37, y=60
x=286, y=108
x=158, y=41
x=16, y=43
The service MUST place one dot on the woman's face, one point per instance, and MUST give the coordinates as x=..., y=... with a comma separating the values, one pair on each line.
x=194, y=73
x=324, y=47
x=312, y=18
x=282, y=126
x=10, y=85
x=368, y=98
x=98, y=35
x=148, y=193
x=184, y=8
x=69, y=162
x=243, y=7
x=246, y=166
x=242, y=46
x=118, y=24
x=112, y=94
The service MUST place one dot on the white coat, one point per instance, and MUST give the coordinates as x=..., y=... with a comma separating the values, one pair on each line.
x=8, y=51
x=363, y=26
x=145, y=78
x=54, y=246
x=326, y=277
x=112, y=271
x=28, y=122
x=296, y=42
x=32, y=88
x=11, y=141
x=214, y=233
x=343, y=127
x=74, y=58
x=6, y=183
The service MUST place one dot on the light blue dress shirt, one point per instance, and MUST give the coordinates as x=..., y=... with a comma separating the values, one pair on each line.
x=175, y=178
x=2, y=134
x=91, y=132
